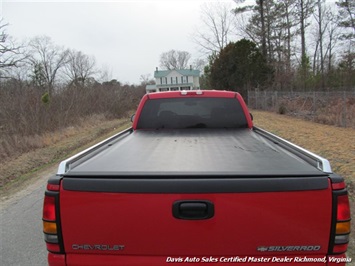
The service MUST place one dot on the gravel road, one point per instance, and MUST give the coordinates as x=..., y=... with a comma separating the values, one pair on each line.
x=21, y=239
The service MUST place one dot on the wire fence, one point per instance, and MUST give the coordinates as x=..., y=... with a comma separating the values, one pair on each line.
x=327, y=107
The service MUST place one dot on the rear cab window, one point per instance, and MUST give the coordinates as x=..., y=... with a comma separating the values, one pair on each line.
x=181, y=113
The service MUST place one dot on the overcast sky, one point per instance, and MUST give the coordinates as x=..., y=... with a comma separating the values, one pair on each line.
x=125, y=37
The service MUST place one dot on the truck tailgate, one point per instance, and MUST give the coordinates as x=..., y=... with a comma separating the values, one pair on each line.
x=195, y=216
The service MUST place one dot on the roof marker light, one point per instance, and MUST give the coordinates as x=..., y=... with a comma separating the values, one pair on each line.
x=192, y=92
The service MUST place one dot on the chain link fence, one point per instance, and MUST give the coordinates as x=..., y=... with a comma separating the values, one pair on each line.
x=327, y=107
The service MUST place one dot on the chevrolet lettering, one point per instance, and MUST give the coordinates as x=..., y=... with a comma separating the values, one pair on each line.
x=97, y=247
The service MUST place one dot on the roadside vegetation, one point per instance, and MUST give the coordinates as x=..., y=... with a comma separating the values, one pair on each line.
x=20, y=170
x=28, y=122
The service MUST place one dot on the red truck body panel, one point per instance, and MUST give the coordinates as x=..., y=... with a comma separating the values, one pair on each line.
x=243, y=222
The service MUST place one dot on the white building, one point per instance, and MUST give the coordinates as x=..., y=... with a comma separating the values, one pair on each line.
x=175, y=80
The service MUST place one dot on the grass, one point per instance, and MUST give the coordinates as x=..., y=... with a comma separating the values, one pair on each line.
x=58, y=146
x=333, y=143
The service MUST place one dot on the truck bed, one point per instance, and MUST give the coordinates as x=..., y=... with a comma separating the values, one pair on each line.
x=216, y=193
x=241, y=152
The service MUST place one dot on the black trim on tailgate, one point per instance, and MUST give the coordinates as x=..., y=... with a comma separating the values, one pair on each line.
x=179, y=185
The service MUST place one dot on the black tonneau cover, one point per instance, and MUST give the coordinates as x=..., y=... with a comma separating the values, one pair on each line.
x=208, y=152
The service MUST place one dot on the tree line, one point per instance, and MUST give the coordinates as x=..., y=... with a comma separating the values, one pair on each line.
x=278, y=45
x=45, y=65
x=296, y=44
x=304, y=45
x=45, y=88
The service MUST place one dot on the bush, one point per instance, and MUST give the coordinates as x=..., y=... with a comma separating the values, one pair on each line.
x=282, y=109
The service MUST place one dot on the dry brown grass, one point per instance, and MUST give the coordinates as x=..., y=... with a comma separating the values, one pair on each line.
x=325, y=107
x=55, y=147
x=333, y=143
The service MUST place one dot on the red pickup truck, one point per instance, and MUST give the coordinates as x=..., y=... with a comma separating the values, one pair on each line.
x=193, y=181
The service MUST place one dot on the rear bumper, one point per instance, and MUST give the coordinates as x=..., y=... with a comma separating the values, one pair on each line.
x=90, y=260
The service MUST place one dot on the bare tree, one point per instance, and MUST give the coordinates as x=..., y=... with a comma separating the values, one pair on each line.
x=217, y=19
x=174, y=59
x=318, y=52
x=79, y=67
x=333, y=35
x=183, y=58
x=272, y=26
x=199, y=64
x=146, y=79
x=263, y=29
x=305, y=9
x=47, y=58
x=11, y=54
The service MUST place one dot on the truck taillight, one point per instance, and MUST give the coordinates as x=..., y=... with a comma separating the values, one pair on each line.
x=341, y=220
x=50, y=220
x=343, y=211
x=49, y=208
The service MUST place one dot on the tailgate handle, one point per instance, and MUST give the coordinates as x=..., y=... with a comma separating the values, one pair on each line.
x=193, y=209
